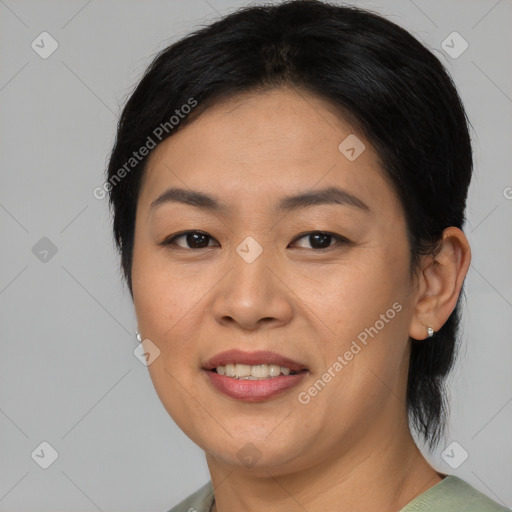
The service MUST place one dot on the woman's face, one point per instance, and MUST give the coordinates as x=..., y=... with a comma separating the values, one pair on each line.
x=255, y=279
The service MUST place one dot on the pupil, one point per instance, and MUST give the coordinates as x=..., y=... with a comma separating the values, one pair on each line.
x=192, y=240
x=322, y=237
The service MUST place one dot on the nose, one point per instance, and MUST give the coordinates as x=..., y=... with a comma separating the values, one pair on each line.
x=254, y=295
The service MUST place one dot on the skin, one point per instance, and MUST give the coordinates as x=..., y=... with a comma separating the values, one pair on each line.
x=351, y=443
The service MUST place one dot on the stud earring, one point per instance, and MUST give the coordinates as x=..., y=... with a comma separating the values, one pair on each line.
x=139, y=337
x=430, y=332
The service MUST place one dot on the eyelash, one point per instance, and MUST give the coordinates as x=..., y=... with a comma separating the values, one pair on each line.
x=340, y=239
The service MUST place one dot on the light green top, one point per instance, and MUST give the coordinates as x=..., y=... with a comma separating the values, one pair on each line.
x=449, y=495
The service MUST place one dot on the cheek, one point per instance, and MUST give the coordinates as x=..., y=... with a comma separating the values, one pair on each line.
x=160, y=290
x=364, y=305
x=351, y=296
x=166, y=305
x=166, y=302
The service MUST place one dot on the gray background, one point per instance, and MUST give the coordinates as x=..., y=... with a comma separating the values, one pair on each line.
x=68, y=373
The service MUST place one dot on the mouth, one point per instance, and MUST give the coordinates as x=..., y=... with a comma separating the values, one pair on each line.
x=253, y=376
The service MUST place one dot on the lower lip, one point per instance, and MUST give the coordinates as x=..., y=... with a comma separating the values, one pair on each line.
x=253, y=390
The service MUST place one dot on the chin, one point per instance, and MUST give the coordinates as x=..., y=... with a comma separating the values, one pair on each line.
x=255, y=454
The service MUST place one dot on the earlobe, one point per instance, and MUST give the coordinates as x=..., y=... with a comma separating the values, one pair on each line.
x=440, y=284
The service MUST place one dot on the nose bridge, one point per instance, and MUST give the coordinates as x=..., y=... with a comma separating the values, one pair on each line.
x=251, y=274
x=251, y=291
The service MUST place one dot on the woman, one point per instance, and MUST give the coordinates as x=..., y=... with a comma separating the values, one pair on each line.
x=288, y=187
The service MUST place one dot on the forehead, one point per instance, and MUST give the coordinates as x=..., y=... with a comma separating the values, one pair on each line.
x=258, y=146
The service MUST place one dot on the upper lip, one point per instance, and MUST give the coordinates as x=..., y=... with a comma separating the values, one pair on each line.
x=252, y=358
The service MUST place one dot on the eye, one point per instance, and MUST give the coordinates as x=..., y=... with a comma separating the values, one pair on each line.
x=194, y=239
x=321, y=240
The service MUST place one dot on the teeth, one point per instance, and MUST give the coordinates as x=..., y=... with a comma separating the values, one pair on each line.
x=243, y=370
x=258, y=371
x=274, y=370
x=254, y=372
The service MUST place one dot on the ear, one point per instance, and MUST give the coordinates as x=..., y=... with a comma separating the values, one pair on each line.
x=440, y=283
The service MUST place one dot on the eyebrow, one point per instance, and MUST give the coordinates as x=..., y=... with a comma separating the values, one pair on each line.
x=329, y=195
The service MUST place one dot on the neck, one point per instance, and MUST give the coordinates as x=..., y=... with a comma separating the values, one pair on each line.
x=383, y=476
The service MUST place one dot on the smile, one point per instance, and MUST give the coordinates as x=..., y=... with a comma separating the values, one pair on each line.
x=252, y=376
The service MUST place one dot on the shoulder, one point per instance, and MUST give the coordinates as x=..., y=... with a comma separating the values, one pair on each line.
x=199, y=501
x=453, y=494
